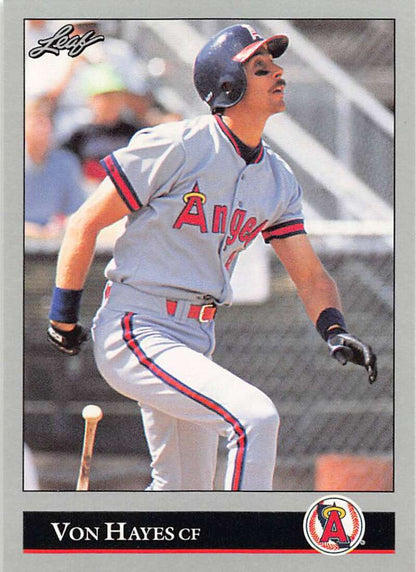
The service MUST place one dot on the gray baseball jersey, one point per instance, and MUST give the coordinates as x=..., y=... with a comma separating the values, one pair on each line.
x=195, y=205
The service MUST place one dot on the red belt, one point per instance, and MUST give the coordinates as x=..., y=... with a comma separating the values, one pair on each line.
x=203, y=313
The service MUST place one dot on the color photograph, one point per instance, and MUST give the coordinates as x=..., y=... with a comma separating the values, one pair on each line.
x=210, y=228
x=199, y=165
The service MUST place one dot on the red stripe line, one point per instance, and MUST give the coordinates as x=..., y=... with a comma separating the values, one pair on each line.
x=168, y=551
x=124, y=189
x=247, y=51
x=373, y=552
x=228, y=133
x=190, y=551
x=230, y=136
x=260, y=155
x=144, y=360
x=284, y=230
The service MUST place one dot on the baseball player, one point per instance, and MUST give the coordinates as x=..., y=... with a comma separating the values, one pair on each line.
x=194, y=194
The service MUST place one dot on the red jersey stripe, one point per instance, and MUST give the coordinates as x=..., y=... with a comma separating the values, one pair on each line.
x=260, y=155
x=189, y=392
x=283, y=231
x=127, y=193
x=227, y=132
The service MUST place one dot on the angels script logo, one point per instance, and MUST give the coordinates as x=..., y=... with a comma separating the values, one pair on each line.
x=62, y=40
x=334, y=525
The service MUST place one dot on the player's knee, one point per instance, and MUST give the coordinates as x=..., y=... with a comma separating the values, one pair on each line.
x=264, y=414
x=270, y=415
x=261, y=413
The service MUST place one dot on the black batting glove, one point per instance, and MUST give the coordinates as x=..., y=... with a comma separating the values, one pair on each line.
x=68, y=342
x=345, y=347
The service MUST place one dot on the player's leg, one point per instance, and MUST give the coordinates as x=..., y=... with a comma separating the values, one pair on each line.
x=145, y=364
x=199, y=446
x=183, y=454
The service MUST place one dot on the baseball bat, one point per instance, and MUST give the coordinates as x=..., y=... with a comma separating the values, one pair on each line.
x=92, y=415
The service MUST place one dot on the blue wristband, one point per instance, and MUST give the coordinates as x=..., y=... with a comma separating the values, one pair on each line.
x=65, y=305
x=330, y=320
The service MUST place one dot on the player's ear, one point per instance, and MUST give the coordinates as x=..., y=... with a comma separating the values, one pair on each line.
x=226, y=87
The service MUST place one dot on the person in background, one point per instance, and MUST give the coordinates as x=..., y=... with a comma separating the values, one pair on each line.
x=60, y=79
x=140, y=103
x=108, y=129
x=120, y=55
x=46, y=77
x=53, y=179
x=69, y=98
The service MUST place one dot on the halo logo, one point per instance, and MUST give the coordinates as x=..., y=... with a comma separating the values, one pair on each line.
x=334, y=525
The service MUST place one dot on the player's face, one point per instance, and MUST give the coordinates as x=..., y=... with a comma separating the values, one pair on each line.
x=265, y=85
x=107, y=107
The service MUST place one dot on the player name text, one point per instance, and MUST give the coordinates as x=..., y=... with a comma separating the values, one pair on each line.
x=122, y=531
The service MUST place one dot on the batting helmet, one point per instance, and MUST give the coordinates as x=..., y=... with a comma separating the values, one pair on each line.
x=219, y=75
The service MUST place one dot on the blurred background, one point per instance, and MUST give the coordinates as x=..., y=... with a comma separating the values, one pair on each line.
x=338, y=136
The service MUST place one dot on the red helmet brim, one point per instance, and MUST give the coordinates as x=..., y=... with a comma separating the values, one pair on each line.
x=275, y=45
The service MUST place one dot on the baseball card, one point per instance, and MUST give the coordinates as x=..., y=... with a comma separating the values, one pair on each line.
x=209, y=286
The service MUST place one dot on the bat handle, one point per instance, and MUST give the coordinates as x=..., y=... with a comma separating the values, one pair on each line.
x=92, y=415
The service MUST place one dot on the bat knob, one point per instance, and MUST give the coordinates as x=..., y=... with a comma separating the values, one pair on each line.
x=92, y=413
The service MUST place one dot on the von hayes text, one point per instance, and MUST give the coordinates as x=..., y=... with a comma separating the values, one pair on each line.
x=119, y=531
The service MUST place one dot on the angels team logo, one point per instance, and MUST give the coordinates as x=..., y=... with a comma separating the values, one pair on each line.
x=334, y=525
x=239, y=225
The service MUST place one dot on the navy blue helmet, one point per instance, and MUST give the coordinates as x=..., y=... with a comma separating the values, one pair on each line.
x=219, y=75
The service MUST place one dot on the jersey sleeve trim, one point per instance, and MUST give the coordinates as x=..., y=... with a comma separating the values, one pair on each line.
x=122, y=184
x=284, y=230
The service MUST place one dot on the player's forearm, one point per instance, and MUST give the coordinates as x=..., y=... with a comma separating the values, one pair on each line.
x=102, y=208
x=319, y=293
x=76, y=254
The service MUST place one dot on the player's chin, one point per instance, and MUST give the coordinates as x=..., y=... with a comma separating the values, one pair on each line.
x=279, y=106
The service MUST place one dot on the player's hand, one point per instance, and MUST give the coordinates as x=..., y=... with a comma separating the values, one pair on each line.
x=68, y=341
x=347, y=348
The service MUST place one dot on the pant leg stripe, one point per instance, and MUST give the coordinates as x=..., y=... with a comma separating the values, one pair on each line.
x=167, y=378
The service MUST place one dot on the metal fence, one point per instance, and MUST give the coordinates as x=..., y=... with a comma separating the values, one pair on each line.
x=324, y=408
